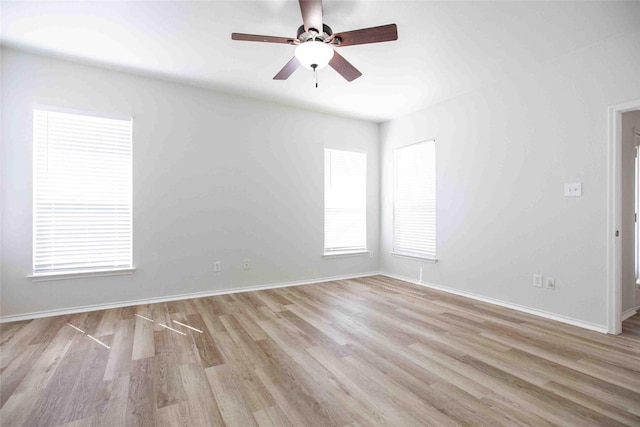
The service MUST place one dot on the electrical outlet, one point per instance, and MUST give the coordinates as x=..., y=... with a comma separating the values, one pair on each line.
x=246, y=265
x=550, y=283
x=573, y=190
x=217, y=266
x=537, y=280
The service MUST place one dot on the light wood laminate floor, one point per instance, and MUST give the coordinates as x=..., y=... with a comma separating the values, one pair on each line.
x=370, y=351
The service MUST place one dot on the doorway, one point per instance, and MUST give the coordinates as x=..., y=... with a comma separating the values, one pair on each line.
x=636, y=193
x=623, y=238
x=629, y=238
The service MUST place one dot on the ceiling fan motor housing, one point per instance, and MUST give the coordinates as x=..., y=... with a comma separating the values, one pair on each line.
x=304, y=36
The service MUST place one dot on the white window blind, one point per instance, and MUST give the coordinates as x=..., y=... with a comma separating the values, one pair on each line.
x=345, y=201
x=82, y=193
x=414, y=208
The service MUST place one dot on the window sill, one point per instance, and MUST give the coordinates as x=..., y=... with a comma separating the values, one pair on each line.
x=338, y=254
x=416, y=257
x=45, y=277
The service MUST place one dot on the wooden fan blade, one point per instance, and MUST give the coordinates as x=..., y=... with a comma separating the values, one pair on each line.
x=344, y=67
x=311, y=14
x=383, y=33
x=265, y=39
x=288, y=69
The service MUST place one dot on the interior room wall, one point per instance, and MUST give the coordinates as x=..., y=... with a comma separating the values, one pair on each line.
x=504, y=154
x=215, y=178
x=630, y=122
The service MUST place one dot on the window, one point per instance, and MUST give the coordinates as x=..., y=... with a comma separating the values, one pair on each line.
x=82, y=193
x=345, y=201
x=414, y=205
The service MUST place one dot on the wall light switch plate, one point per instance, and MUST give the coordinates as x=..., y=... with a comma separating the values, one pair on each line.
x=537, y=280
x=573, y=190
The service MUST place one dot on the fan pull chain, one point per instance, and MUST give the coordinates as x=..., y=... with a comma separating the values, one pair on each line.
x=315, y=73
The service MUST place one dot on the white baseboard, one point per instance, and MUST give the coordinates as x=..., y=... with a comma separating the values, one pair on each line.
x=95, y=307
x=575, y=322
x=627, y=314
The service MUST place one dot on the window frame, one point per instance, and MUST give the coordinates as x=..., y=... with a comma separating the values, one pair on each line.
x=354, y=251
x=75, y=274
x=410, y=254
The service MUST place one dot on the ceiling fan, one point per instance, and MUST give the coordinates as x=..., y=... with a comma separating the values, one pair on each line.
x=315, y=43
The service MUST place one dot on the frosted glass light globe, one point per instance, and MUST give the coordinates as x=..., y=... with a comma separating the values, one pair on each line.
x=314, y=52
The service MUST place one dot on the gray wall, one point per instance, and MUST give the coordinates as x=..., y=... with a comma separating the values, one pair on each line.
x=223, y=178
x=504, y=154
x=630, y=122
x=215, y=178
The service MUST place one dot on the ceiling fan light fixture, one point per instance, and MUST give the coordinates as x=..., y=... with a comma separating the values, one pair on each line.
x=314, y=52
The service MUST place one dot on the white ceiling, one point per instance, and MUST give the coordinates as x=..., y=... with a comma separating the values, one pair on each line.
x=444, y=49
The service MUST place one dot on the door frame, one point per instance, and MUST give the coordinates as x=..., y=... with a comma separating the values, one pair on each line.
x=614, y=215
